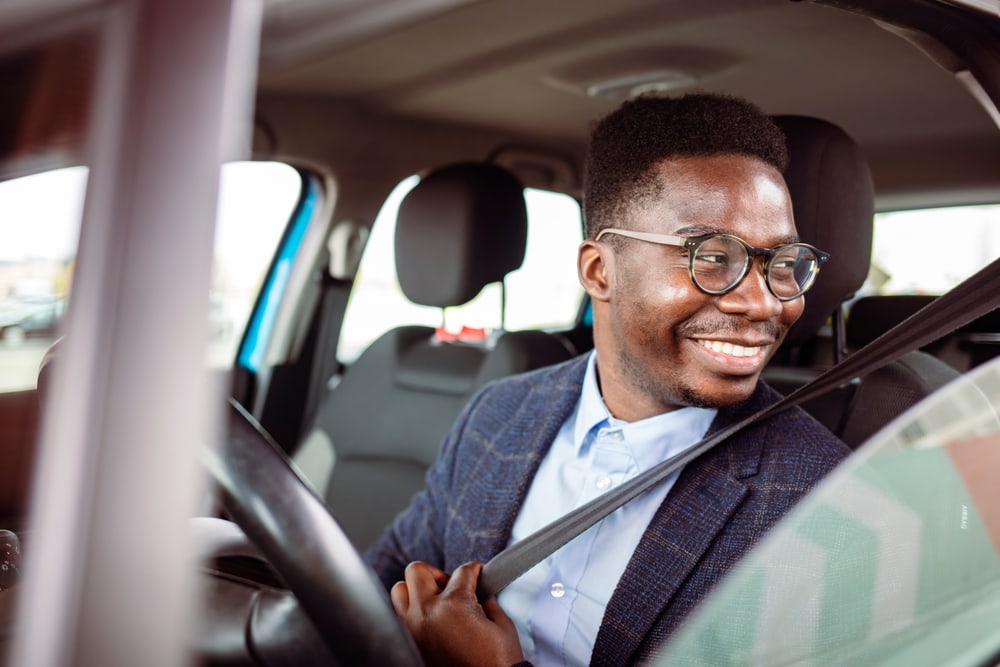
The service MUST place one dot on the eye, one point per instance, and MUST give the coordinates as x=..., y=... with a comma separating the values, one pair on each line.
x=784, y=263
x=712, y=257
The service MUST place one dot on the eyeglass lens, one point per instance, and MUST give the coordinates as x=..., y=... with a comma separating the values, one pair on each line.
x=720, y=262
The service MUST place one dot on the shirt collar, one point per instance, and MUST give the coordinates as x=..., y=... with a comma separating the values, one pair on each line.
x=592, y=410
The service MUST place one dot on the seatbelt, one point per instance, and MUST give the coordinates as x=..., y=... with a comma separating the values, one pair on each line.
x=973, y=298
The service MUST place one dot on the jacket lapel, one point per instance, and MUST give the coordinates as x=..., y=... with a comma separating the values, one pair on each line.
x=522, y=442
x=696, y=510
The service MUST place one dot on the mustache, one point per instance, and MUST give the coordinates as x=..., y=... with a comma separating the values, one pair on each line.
x=732, y=325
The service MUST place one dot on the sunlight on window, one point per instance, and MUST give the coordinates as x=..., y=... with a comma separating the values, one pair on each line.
x=39, y=227
x=256, y=200
x=930, y=251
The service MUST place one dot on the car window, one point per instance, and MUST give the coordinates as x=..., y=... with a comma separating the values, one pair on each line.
x=256, y=201
x=960, y=239
x=38, y=235
x=893, y=560
x=543, y=294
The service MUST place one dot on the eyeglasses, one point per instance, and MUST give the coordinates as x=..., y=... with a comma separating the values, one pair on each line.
x=718, y=263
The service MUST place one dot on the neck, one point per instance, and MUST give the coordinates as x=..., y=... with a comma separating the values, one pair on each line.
x=623, y=401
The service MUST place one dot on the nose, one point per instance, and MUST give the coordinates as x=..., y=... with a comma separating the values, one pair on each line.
x=751, y=298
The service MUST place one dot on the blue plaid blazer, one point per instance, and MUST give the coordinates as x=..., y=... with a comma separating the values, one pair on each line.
x=720, y=506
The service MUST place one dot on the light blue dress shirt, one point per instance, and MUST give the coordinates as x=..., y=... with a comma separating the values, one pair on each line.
x=558, y=605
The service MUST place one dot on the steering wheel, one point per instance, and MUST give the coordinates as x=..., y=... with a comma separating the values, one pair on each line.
x=293, y=529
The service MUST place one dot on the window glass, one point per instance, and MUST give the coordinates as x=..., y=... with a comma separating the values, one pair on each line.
x=256, y=201
x=894, y=559
x=929, y=251
x=39, y=227
x=543, y=294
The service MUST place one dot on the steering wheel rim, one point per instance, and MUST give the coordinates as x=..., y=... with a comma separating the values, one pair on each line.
x=293, y=529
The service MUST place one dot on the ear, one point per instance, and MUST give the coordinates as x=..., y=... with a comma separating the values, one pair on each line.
x=595, y=264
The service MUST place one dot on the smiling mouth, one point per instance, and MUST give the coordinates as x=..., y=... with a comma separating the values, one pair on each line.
x=731, y=349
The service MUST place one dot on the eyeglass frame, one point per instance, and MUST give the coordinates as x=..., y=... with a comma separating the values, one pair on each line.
x=693, y=242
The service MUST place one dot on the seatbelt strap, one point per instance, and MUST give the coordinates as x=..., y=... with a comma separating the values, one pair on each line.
x=972, y=298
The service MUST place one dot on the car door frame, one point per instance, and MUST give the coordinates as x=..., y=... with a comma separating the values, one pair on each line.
x=130, y=401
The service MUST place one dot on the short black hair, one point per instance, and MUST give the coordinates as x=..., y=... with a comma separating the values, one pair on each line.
x=626, y=145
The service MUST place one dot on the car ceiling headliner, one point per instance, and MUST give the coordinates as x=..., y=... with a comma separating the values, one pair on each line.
x=521, y=66
x=518, y=69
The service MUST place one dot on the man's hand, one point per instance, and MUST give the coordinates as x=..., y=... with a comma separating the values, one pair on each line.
x=448, y=623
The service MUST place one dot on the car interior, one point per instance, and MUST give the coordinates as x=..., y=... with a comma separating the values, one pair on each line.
x=889, y=107
x=463, y=227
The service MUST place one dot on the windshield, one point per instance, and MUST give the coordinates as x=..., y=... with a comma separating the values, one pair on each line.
x=893, y=560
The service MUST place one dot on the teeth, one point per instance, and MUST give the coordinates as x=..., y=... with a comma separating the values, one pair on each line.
x=729, y=348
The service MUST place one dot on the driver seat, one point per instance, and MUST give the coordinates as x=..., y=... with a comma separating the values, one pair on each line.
x=461, y=228
x=833, y=200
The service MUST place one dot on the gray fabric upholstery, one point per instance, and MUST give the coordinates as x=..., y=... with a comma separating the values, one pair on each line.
x=967, y=347
x=870, y=317
x=387, y=418
x=461, y=228
x=888, y=392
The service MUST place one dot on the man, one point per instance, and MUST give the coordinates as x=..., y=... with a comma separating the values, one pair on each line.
x=695, y=274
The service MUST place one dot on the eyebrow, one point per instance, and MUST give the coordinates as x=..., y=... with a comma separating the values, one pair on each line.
x=703, y=230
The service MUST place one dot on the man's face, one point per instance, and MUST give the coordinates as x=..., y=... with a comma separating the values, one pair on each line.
x=661, y=342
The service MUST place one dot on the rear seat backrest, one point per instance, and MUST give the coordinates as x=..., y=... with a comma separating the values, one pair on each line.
x=967, y=347
x=461, y=228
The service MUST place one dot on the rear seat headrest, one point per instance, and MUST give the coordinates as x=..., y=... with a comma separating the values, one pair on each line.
x=461, y=228
x=833, y=201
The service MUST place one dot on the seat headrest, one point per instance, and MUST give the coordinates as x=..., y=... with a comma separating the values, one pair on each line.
x=833, y=200
x=461, y=228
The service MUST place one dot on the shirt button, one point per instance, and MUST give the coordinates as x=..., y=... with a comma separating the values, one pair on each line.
x=603, y=483
x=616, y=436
x=557, y=590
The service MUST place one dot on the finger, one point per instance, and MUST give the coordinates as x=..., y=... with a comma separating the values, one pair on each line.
x=400, y=596
x=464, y=578
x=422, y=580
x=440, y=576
